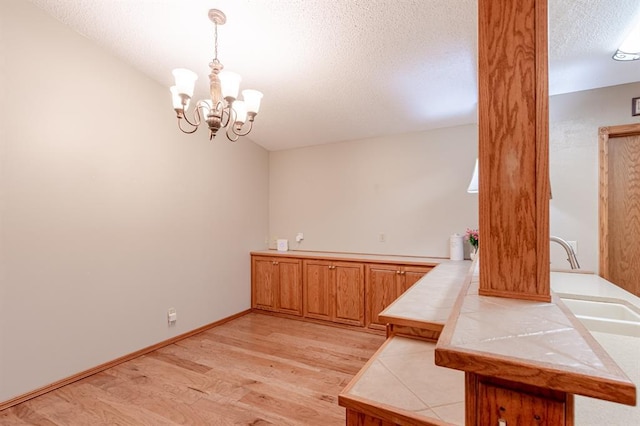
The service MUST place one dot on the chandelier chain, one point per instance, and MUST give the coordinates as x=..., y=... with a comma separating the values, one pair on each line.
x=215, y=57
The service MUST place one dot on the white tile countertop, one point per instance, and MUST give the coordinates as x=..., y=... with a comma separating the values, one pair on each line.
x=589, y=287
x=429, y=302
x=536, y=343
x=623, y=348
x=402, y=382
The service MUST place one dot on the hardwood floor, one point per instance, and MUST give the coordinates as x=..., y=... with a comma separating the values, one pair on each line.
x=255, y=370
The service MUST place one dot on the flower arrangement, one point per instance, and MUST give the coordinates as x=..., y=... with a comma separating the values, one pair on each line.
x=472, y=236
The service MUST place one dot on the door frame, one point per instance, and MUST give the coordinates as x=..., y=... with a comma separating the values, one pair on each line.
x=605, y=135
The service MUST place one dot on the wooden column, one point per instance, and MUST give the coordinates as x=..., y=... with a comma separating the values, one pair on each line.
x=513, y=148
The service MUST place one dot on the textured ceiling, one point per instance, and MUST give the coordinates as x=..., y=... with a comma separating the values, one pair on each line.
x=346, y=69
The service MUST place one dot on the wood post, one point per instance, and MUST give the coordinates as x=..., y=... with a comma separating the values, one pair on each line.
x=514, y=148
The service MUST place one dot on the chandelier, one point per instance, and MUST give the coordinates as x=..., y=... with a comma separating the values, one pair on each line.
x=223, y=110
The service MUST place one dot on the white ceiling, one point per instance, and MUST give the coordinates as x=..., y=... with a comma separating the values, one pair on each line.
x=335, y=70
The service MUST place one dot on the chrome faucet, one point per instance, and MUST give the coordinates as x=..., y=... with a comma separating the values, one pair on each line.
x=571, y=255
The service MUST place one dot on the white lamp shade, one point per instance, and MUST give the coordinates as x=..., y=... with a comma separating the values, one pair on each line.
x=230, y=82
x=185, y=81
x=252, y=99
x=473, y=185
x=631, y=44
x=241, y=111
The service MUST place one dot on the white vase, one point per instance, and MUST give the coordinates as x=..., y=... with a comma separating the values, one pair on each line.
x=473, y=252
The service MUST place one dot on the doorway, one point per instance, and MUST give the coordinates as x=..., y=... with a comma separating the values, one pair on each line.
x=619, y=206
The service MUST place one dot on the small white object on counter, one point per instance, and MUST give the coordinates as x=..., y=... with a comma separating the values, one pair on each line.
x=456, y=247
x=282, y=245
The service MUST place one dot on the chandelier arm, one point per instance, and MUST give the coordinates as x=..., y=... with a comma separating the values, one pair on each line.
x=196, y=115
x=231, y=135
x=244, y=133
x=186, y=131
x=227, y=110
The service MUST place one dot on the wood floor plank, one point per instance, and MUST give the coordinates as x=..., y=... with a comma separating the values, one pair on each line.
x=233, y=413
x=255, y=370
x=114, y=410
x=298, y=396
x=318, y=356
x=233, y=359
x=157, y=399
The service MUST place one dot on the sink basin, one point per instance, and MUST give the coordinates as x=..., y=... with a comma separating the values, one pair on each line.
x=606, y=316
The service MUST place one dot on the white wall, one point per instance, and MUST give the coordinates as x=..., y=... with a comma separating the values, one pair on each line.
x=411, y=187
x=573, y=159
x=108, y=214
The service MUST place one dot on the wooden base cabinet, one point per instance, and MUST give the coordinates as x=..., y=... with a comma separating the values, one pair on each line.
x=345, y=290
x=384, y=284
x=334, y=291
x=277, y=284
x=492, y=401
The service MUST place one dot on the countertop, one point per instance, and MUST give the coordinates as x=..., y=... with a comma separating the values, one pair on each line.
x=358, y=257
x=428, y=303
x=589, y=287
x=536, y=343
x=514, y=339
x=401, y=381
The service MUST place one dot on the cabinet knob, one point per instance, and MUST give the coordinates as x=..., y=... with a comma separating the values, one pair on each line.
x=397, y=272
x=403, y=272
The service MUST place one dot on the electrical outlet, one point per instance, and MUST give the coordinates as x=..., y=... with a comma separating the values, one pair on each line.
x=382, y=237
x=172, y=316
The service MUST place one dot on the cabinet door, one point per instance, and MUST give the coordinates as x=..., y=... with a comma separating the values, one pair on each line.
x=289, y=295
x=317, y=289
x=381, y=291
x=411, y=275
x=264, y=284
x=349, y=292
